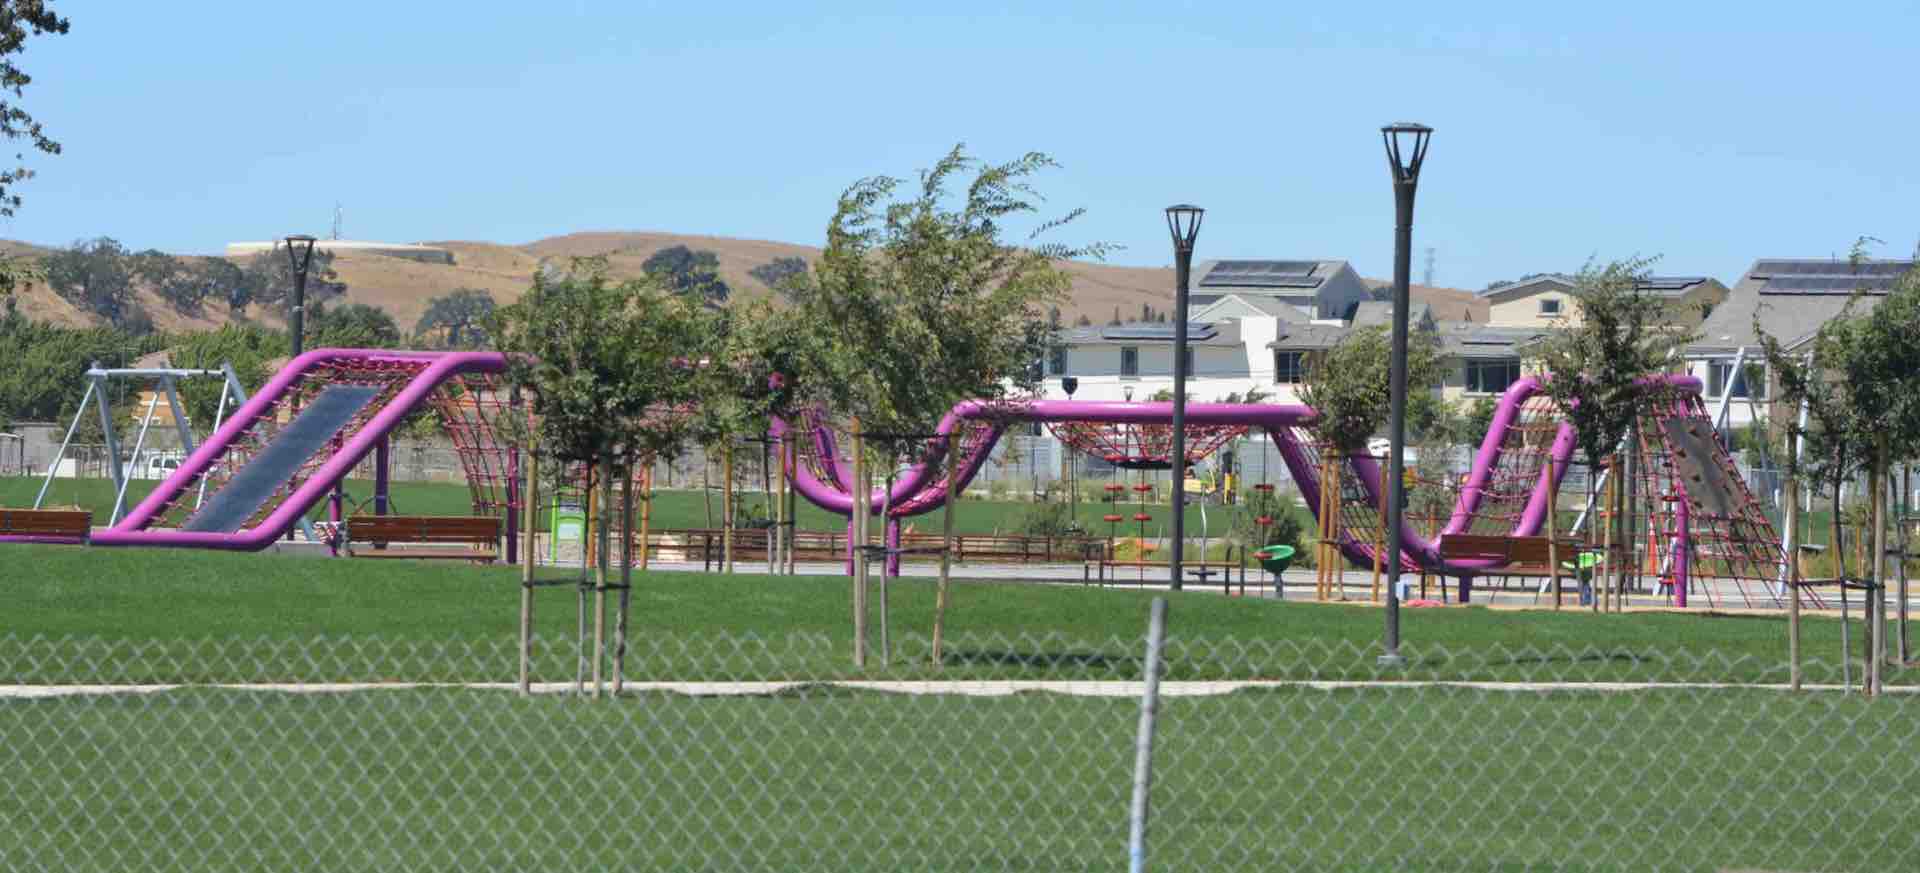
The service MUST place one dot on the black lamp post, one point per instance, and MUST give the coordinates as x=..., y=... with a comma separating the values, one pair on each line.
x=1183, y=222
x=300, y=256
x=1406, y=150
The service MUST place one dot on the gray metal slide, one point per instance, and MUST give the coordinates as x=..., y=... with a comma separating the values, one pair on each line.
x=243, y=495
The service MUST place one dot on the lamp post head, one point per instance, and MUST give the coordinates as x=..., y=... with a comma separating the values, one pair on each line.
x=1406, y=143
x=1069, y=384
x=300, y=251
x=1127, y=392
x=1183, y=222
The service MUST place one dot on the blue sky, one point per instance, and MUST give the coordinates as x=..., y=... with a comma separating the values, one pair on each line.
x=1709, y=134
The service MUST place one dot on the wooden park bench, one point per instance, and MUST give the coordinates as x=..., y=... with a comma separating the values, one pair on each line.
x=52, y=524
x=481, y=533
x=1511, y=556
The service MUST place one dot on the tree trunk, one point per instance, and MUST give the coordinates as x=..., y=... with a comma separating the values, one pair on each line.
x=527, y=557
x=1792, y=573
x=706, y=486
x=1903, y=524
x=646, y=510
x=941, y=594
x=603, y=541
x=1877, y=481
x=726, y=506
x=1604, y=580
x=626, y=579
x=1553, y=537
x=858, y=543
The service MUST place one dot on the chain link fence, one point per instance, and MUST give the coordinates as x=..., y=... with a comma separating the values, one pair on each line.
x=1016, y=753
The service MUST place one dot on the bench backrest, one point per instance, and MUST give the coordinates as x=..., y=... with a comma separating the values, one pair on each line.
x=46, y=522
x=1509, y=549
x=423, y=529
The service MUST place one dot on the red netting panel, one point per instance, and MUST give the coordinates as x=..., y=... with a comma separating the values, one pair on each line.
x=1143, y=446
x=1740, y=546
x=976, y=438
x=1524, y=448
x=389, y=376
x=475, y=410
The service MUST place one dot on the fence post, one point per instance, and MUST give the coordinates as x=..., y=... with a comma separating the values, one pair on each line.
x=1143, y=744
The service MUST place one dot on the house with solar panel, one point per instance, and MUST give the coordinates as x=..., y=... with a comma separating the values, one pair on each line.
x=1290, y=290
x=1789, y=299
x=1547, y=300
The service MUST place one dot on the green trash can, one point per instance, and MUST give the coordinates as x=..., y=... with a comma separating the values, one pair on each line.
x=567, y=522
x=1275, y=559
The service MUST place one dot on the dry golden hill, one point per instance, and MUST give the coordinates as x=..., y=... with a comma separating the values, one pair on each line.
x=405, y=287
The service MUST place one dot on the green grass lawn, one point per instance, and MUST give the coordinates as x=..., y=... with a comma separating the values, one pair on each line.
x=819, y=779
x=671, y=509
x=185, y=615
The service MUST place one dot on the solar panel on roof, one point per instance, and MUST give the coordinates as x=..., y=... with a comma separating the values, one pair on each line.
x=1671, y=283
x=1262, y=274
x=1157, y=332
x=1781, y=284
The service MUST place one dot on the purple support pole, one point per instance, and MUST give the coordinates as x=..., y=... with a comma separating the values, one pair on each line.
x=513, y=504
x=381, y=477
x=1466, y=588
x=893, y=547
x=336, y=504
x=1683, y=551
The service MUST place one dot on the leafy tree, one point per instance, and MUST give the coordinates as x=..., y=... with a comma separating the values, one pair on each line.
x=224, y=280
x=608, y=365
x=1350, y=389
x=920, y=305
x=685, y=271
x=270, y=278
x=1598, y=368
x=179, y=282
x=43, y=375
x=18, y=20
x=93, y=275
x=775, y=273
x=353, y=326
x=249, y=348
x=460, y=317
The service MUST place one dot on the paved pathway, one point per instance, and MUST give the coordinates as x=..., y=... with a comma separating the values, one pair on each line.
x=962, y=687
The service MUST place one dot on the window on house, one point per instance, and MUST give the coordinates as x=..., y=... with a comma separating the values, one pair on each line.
x=1752, y=382
x=1550, y=306
x=1129, y=360
x=1492, y=376
x=1057, y=360
x=1289, y=368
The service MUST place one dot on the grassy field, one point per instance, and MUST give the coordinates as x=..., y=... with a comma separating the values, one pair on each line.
x=276, y=616
x=672, y=509
x=820, y=779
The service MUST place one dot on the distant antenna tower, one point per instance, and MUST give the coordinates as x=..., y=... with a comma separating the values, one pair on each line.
x=338, y=214
x=1427, y=278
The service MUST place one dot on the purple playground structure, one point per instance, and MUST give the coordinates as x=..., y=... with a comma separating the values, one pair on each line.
x=291, y=445
x=1697, y=516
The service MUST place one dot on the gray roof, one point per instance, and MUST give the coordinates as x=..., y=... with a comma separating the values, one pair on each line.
x=1309, y=337
x=1466, y=339
x=1380, y=312
x=1792, y=299
x=1267, y=304
x=1529, y=285
x=1265, y=276
x=1661, y=286
x=1132, y=333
